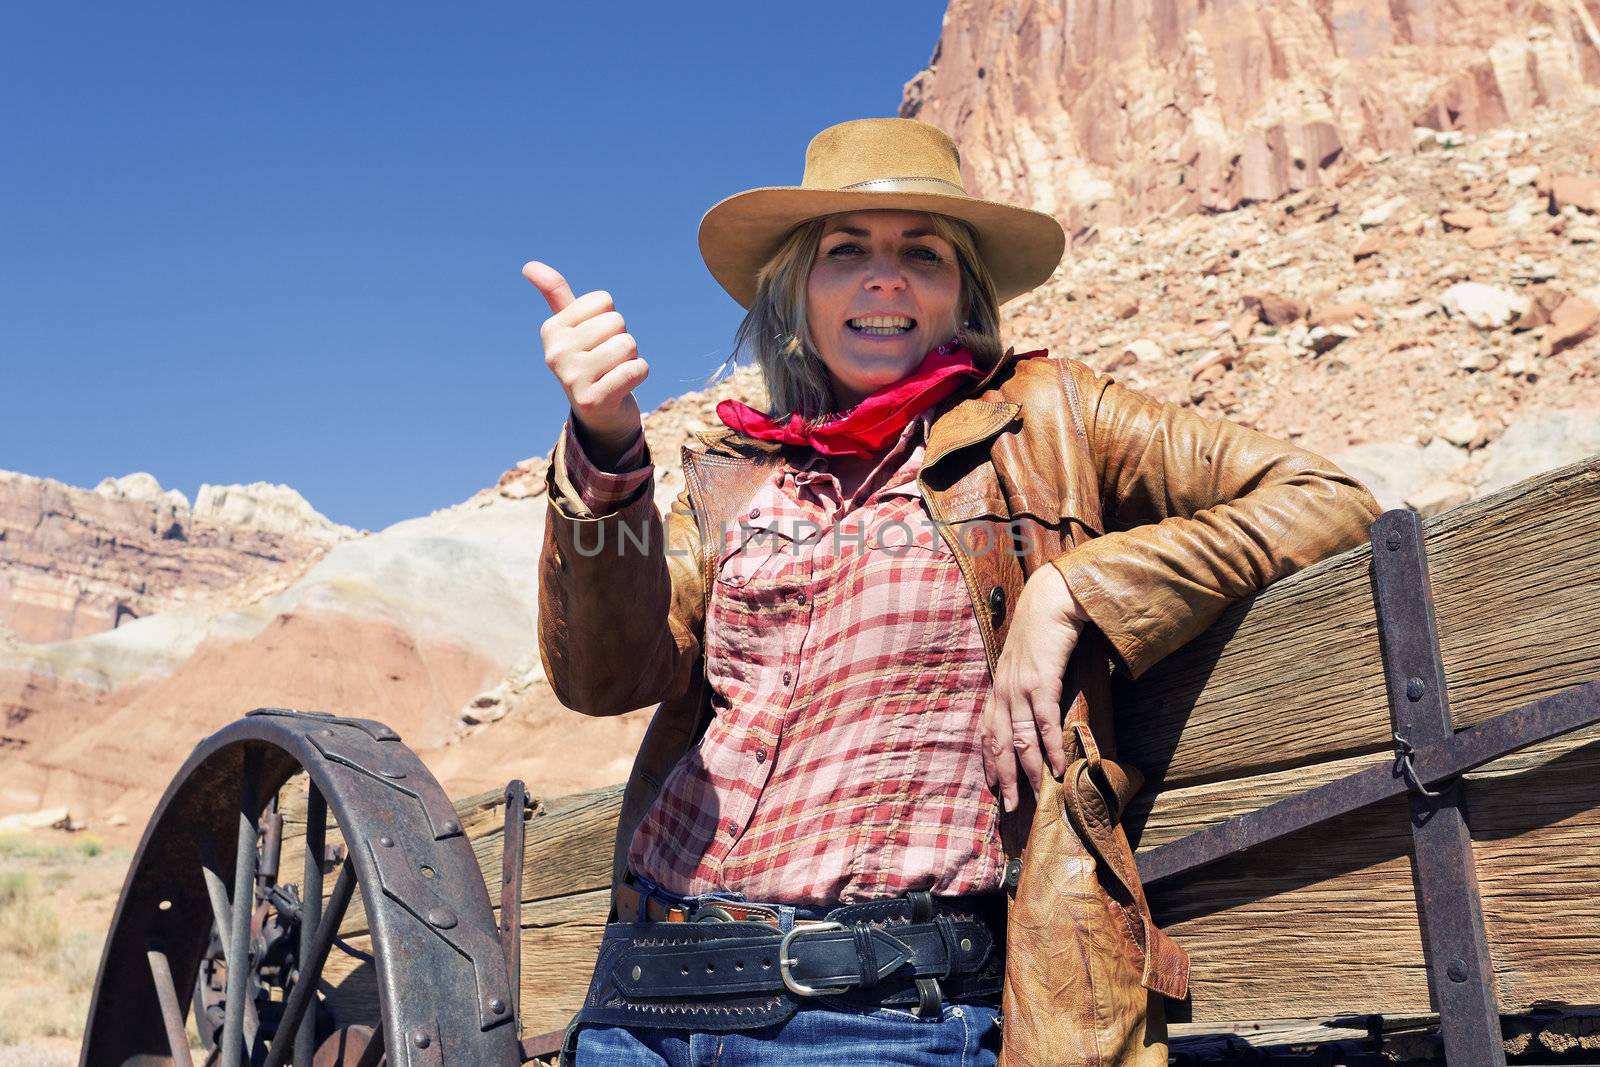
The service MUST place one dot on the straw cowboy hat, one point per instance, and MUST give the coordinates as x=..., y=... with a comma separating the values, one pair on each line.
x=877, y=163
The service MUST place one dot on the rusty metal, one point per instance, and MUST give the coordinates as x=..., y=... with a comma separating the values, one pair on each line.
x=316, y=864
x=1455, y=943
x=431, y=980
x=372, y=1054
x=237, y=934
x=304, y=992
x=271, y=845
x=542, y=1046
x=345, y=1047
x=171, y=1012
x=511, y=857
x=1473, y=747
x=222, y=920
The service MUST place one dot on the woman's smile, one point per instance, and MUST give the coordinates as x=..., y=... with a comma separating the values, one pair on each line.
x=881, y=325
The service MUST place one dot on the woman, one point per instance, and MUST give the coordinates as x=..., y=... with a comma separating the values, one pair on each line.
x=877, y=609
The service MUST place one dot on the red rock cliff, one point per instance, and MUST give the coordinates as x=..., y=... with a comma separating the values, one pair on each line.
x=75, y=562
x=1112, y=111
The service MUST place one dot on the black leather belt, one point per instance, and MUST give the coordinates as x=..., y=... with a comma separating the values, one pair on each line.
x=914, y=951
x=822, y=958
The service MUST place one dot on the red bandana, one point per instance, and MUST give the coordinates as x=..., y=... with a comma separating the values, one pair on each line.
x=872, y=424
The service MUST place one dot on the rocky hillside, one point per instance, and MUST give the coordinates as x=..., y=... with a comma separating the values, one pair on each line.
x=1428, y=320
x=75, y=562
x=1107, y=112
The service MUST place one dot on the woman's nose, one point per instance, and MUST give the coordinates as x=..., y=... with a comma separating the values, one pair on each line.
x=885, y=274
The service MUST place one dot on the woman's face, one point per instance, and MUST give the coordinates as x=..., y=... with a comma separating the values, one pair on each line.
x=883, y=290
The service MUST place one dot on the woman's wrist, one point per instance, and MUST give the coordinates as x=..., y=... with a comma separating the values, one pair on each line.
x=606, y=448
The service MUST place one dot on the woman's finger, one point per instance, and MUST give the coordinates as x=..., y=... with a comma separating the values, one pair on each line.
x=583, y=309
x=1004, y=755
x=990, y=754
x=1050, y=743
x=623, y=379
x=591, y=331
x=612, y=352
x=1025, y=743
x=1046, y=704
x=545, y=278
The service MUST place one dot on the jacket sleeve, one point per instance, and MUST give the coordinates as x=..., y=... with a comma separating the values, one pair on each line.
x=1198, y=513
x=620, y=599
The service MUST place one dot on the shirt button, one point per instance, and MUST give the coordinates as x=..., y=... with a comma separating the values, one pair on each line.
x=761, y=755
x=787, y=677
x=755, y=513
x=800, y=598
x=729, y=829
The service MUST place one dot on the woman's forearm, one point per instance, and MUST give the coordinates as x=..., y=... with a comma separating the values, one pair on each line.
x=619, y=598
x=1200, y=512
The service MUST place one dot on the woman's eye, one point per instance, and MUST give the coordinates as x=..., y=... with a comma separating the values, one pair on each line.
x=927, y=255
x=844, y=248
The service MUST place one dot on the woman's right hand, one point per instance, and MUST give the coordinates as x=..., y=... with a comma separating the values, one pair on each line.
x=588, y=349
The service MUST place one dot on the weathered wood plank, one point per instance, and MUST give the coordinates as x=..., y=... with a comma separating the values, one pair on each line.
x=1294, y=675
x=1325, y=923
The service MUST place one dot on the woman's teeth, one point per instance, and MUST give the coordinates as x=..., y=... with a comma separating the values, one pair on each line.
x=881, y=325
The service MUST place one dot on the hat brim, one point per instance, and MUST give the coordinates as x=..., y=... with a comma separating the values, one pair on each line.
x=1020, y=246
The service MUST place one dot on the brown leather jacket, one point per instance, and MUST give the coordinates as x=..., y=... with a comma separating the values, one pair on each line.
x=1157, y=517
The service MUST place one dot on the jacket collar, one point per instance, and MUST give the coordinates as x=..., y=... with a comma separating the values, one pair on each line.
x=964, y=419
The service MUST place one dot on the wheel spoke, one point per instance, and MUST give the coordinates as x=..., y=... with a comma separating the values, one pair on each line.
x=305, y=1038
x=238, y=931
x=171, y=1014
x=305, y=987
x=222, y=916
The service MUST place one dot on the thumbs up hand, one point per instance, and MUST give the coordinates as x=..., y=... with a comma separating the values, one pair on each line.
x=588, y=349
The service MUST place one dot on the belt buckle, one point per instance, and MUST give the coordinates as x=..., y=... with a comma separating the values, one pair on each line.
x=785, y=961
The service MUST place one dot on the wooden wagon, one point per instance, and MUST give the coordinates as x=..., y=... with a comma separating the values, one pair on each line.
x=1370, y=813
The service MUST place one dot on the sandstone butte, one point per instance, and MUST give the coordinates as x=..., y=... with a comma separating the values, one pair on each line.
x=1258, y=201
x=1106, y=112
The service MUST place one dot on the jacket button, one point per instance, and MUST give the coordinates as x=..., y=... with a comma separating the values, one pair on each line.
x=997, y=603
x=1013, y=873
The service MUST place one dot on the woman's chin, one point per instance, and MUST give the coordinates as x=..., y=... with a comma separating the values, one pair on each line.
x=895, y=357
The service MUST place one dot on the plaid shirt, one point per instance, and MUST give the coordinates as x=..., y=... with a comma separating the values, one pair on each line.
x=847, y=673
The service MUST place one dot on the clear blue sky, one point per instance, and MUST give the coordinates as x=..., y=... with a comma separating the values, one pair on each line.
x=282, y=244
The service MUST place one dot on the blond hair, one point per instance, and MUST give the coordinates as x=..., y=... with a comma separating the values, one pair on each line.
x=775, y=331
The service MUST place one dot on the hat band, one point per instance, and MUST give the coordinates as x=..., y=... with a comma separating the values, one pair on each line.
x=907, y=185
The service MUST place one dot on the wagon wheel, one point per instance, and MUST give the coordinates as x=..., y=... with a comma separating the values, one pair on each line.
x=443, y=990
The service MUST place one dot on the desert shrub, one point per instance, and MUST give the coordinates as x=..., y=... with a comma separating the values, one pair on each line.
x=29, y=928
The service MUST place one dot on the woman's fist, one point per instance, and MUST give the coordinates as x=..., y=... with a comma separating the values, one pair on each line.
x=589, y=350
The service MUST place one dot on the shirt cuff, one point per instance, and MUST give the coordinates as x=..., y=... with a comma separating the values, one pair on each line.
x=605, y=491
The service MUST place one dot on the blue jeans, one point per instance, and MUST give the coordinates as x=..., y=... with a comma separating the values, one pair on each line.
x=964, y=1035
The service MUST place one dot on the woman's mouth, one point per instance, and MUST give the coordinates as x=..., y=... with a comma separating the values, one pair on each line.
x=881, y=325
